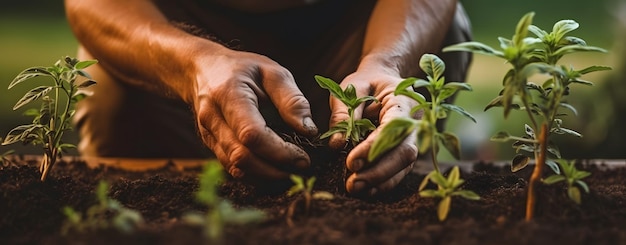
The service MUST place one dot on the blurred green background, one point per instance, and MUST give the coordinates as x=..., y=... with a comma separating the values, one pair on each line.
x=33, y=34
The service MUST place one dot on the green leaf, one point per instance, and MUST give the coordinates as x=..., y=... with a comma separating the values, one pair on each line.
x=365, y=99
x=439, y=180
x=496, y=102
x=563, y=27
x=459, y=110
x=521, y=31
x=392, y=134
x=577, y=48
x=340, y=127
x=553, y=179
x=323, y=195
x=444, y=208
x=425, y=180
x=529, y=131
x=554, y=166
x=402, y=89
x=469, y=195
x=537, y=31
x=583, y=185
x=454, y=177
x=474, y=47
x=458, y=86
x=501, y=137
x=583, y=82
x=505, y=43
x=19, y=133
x=452, y=144
x=350, y=92
x=310, y=183
x=569, y=107
x=432, y=65
x=28, y=74
x=594, y=69
x=574, y=193
x=331, y=86
x=519, y=162
x=86, y=84
x=84, y=64
x=31, y=95
x=429, y=193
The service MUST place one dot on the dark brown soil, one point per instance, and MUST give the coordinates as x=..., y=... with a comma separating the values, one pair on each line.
x=30, y=210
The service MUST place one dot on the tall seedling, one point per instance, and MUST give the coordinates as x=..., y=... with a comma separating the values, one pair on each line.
x=543, y=103
x=54, y=116
x=428, y=134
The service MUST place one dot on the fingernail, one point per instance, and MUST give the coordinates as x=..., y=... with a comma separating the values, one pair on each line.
x=359, y=185
x=236, y=173
x=309, y=125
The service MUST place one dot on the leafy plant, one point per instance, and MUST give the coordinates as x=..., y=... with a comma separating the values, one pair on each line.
x=107, y=213
x=446, y=189
x=354, y=130
x=53, y=118
x=219, y=211
x=305, y=189
x=544, y=103
x=428, y=135
x=572, y=176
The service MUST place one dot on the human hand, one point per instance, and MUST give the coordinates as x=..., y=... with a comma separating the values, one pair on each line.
x=231, y=88
x=372, y=177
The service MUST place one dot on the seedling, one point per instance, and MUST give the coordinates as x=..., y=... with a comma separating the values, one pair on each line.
x=304, y=188
x=543, y=104
x=573, y=177
x=428, y=135
x=53, y=119
x=107, y=213
x=219, y=211
x=446, y=189
x=353, y=129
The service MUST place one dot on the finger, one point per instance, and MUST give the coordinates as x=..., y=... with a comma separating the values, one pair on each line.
x=293, y=107
x=239, y=163
x=242, y=116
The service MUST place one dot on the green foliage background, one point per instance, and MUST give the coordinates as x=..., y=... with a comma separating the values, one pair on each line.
x=37, y=34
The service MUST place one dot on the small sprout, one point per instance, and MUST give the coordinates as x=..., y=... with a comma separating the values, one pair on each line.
x=573, y=177
x=305, y=191
x=107, y=213
x=219, y=211
x=54, y=117
x=353, y=129
x=543, y=103
x=446, y=189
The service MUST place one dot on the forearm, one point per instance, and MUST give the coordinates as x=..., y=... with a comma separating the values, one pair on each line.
x=137, y=44
x=400, y=31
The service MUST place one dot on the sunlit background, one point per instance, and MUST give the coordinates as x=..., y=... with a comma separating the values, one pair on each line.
x=33, y=34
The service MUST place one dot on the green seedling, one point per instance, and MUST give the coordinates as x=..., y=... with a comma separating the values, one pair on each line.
x=304, y=188
x=53, y=118
x=446, y=189
x=428, y=135
x=107, y=213
x=353, y=129
x=219, y=211
x=573, y=177
x=544, y=103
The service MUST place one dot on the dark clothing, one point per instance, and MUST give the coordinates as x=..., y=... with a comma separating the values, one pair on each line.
x=320, y=39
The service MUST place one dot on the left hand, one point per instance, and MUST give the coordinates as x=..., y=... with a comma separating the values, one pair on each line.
x=370, y=178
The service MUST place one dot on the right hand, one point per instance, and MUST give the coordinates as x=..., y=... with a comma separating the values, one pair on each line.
x=231, y=86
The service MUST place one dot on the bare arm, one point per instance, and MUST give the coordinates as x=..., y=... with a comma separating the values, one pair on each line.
x=135, y=42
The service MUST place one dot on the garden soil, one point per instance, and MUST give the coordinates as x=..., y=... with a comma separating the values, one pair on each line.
x=30, y=211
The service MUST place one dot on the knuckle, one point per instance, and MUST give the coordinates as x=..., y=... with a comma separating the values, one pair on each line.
x=249, y=135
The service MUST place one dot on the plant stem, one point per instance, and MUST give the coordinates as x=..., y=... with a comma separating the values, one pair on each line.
x=536, y=175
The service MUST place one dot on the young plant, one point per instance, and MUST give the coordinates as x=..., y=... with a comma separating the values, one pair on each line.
x=305, y=189
x=572, y=177
x=446, y=189
x=219, y=211
x=107, y=213
x=544, y=103
x=354, y=130
x=53, y=118
x=428, y=135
